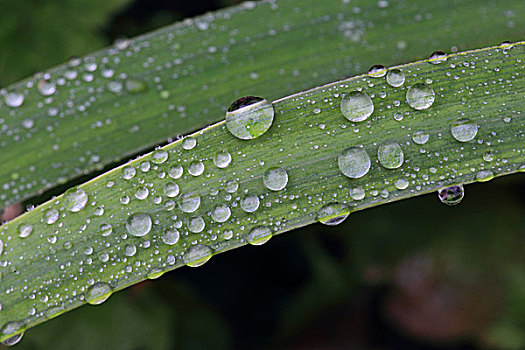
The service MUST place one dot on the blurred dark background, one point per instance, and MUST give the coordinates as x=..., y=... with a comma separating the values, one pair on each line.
x=423, y=276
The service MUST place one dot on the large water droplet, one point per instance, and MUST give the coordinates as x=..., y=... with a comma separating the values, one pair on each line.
x=377, y=71
x=51, y=216
x=171, y=189
x=46, y=87
x=420, y=137
x=189, y=143
x=275, y=179
x=401, y=184
x=249, y=117
x=98, y=293
x=105, y=229
x=390, y=155
x=75, y=199
x=14, y=99
x=196, y=168
x=395, y=77
x=354, y=162
x=221, y=213
x=249, y=204
x=420, y=96
x=357, y=106
x=189, y=202
x=464, y=130
x=15, y=339
x=25, y=230
x=138, y=224
x=10, y=328
x=197, y=255
x=438, y=57
x=451, y=195
x=171, y=236
x=196, y=224
x=333, y=214
x=130, y=250
x=259, y=235
x=357, y=193
x=159, y=156
x=175, y=171
x=142, y=193
x=129, y=173
x=222, y=159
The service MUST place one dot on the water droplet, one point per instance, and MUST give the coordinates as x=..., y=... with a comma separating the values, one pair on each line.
x=451, y=195
x=357, y=193
x=13, y=340
x=275, y=179
x=197, y=255
x=420, y=96
x=105, y=229
x=175, y=171
x=189, y=202
x=142, y=193
x=159, y=156
x=145, y=166
x=484, y=175
x=129, y=173
x=10, y=328
x=390, y=155
x=196, y=168
x=154, y=273
x=401, y=184
x=171, y=236
x=75, y=199
x=138, y=224
x=189, y=143
x=24, y=230
x=51, y=216
x=333, y=214
x=487, y=157
x=395, y=77
x=46, y=87
x=354, y=162
x=98, y=293
x=464, y=130
x=14, y=99
x=377, y=71
x=221, y=213
x=249, y=117
x=250, y=204
x=222, y=159
x=231, y=186
x=171, y=189
x=130, y=250
x=135, y=86
x=259, y=235
x=438, y=57
x=196, y=224
x=357, y=106
x=420, y=137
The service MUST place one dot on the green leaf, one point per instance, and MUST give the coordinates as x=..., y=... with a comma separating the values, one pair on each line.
x=454, y=119
x=191, y=71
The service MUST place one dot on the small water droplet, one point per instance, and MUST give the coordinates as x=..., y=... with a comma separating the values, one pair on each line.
x=231, y=186
x=357, y=193
x=189, y=202
x=171, y=189
x=196, y=224
x=129, y=173
x=75, y=199
x=130, y=250
x=390, y=155
x=105, y=229
x=159, y=156
x=24, y=230
x=51, y=216
x=420, y=137
x=222, y=159
x=196, y=168
x=175, y=171
x=437, y=57
x=354, y=162
x=275, y=179
x=171, y=236
x=250, y=204
x=487, y=157
x=377, y=71
x=249, y=117
x=395, y=77
x=451, y=195
x=333, y=214
x=259, y=235
x=142, y=193
x=14, y=99
x=189, y=143
x=138, y=224
x=98, y=293
x=46, y=87
x=464, y=130
x=357, y=106
x=484, y=175
x=401, y=184
x=197, y=255
x=221, y=213
x=420, y=96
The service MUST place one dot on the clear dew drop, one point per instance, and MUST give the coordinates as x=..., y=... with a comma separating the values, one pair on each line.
x=357, y=106
x=13, y=340
x=222, y=159
x=275, y=179
x=420, y=96
x=377, y=71
x=197, y=255
x=24, y=230
x=129, y=173
x=249, y=117
x=46, y=87
x=231, y=186
x=259, y=235
x=130, y=250
x=354, y=162
x=395, y=77
x=51, y=216
x=464, y=130
x=75, y=199
x=171, y=189
x=105, y=229
x=14, y=99
x=154, y=273
x=175, y=172
x=401, y=184
x=189, y=143
x=171, y=236
x=390, y=155
x=333, y=214
x=451, y=195
x=98, y=293
x=484, y=175
x=250, y=204
x=142, y=193
x=420, y=137
x=189, y=202
x=10, y=328
x=437, y=57
x=138, y=224
x=488, y=157
x=221, y=213
x=196, y=168
x=159, y=156
x=357, y=193
x=196, y=224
